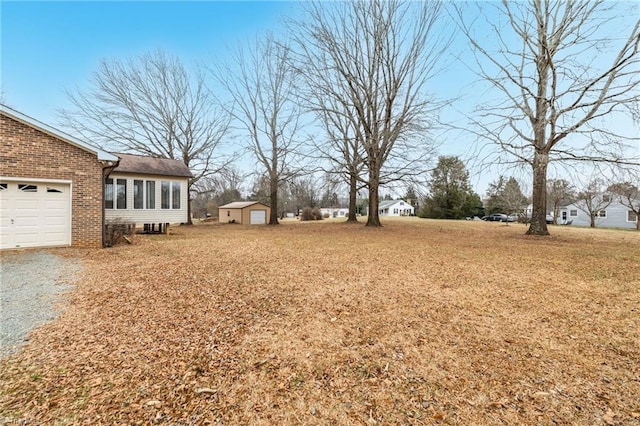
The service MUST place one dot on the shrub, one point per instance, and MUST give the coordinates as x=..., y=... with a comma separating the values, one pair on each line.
x=309, y=213
x=118, y=230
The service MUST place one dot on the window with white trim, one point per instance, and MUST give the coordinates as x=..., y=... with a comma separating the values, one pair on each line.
x=115, y=194
x=165, y=194
x=121, y=193
x=138, y=194
x=175, y=195
x=151, y=195
x=108, y=193
x=573, y=213
x=632, y=216
x=602, y=213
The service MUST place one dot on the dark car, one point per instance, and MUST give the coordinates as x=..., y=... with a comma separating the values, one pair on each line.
x=496, y=217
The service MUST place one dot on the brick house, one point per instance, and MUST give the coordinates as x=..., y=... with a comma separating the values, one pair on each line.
x=53, y=187
x=50, y=185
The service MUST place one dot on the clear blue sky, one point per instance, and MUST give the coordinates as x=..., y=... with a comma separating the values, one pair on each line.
x=48, y=47
x=52, y=46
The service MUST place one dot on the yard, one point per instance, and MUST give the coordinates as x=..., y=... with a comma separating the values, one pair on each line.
x=419, y=322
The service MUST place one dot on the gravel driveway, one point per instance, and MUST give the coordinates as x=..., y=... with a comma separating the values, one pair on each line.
x=29, y=283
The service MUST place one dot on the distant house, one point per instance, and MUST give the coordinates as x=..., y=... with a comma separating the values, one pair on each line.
x=244, y=212
x=395, y=208
x=147, y=190
x=614, y=215
x=334, y=211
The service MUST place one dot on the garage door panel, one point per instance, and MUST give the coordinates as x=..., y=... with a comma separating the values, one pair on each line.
x=258, y=217
x=35, y=214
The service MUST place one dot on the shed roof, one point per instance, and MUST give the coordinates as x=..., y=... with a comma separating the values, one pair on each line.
x=130, y=163
x=38, y=125
x=240, y=204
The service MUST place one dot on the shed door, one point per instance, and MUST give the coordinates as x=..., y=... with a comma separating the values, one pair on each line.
x=34, y=214
x=258, y=217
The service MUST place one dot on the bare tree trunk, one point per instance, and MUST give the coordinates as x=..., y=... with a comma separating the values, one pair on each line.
x=373, y=219
x=538, y=225
x=273, y=195
x=353, y=194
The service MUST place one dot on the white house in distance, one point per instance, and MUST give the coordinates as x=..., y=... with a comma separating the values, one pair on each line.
x=614, y=215
x=395, y=208
x=147, y=190
x=334, y=211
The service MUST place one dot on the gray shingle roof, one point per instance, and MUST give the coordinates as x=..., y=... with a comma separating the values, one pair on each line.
x=130, y=163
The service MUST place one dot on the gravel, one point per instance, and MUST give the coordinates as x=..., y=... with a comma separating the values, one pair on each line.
x=30, y=284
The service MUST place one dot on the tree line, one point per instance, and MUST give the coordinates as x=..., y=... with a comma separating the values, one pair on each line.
x=346, y=93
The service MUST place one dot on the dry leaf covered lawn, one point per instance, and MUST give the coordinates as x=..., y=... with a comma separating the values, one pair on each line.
x=420, y=322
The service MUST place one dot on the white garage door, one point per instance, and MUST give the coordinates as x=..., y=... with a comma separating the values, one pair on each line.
x=34, y=214
x=258, y=217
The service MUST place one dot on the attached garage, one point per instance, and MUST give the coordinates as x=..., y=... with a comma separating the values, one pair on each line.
x=244, y=212
x=51, y=185
x=35, y=213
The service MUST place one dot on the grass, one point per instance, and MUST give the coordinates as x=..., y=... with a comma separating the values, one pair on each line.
x=419, y=322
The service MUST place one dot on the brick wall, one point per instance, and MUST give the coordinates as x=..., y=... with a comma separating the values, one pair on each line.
x=29, y=153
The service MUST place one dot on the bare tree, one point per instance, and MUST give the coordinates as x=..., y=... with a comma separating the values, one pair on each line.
x=628, y=193
x=367, y=63
x=593, y=200
x=261, y=84
x=554, y=92
x=558, y=191
x=151, y=105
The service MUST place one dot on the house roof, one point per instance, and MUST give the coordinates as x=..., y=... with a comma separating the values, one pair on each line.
x=240, y=204
x=388, y=203
x=130, y=163
x=51, y=131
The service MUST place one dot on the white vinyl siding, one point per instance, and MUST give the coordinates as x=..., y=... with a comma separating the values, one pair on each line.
x=152, y=196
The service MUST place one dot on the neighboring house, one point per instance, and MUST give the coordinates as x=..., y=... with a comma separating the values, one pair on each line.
x=147, y=190
x=50, y=185
x=244, y=212
x=395, y=208
x=614, y=215
x=334, y=211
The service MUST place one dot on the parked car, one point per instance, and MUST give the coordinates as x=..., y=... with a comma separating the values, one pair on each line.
x=496, y=217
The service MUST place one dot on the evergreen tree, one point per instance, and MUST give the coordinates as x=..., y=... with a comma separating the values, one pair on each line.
x=451, y=196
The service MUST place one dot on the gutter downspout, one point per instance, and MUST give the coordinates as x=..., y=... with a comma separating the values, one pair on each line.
x=106, y=171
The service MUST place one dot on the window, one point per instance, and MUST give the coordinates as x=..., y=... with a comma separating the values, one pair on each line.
x=151, y=194
x=138, y=194
x=27, y=188
x=108, y=193
x=121, y=193
x=175, y=195
x=632, y=216
x=602, y=213
x=4, y=186
x=164, y=195
x=53, y=190
x=573, y=213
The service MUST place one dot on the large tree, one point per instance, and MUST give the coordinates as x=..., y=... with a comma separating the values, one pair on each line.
x=558, y=77
x=450, y=192
x=261, y=84
x=151, y=105
x=368, y=62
